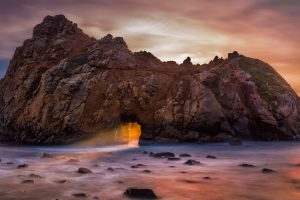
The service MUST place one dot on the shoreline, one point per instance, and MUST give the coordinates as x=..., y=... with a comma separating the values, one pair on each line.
x=115, y=169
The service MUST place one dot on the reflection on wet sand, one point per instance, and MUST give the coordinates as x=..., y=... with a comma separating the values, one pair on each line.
x=113, y=169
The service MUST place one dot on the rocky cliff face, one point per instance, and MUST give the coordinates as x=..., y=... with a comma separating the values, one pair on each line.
x=62, y=85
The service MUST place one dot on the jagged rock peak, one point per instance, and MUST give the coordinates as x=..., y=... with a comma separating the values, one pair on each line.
x=187, y=61
x=53, y=25
x=145, y=54
x=56, y=18
x=233, y=55
x=118, y=41
x=216, y=58
x=107, y=39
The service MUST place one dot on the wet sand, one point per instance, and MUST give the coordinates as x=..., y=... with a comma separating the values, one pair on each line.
x=115, y=168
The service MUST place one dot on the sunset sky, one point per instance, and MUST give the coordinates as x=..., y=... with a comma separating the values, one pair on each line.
x=172, y=29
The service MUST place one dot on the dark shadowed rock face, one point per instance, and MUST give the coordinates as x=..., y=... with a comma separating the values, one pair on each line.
x=62, y=85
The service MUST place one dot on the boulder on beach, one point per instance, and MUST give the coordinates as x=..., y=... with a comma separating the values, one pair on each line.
x=35, y=176
x=80, y=195
x=267, y=170
x=211, y=157
x=21, y=166
x=163, y=155
x=29, y=181
x=83, y=170
x=140, y=193
x=185, y=155
x=246, y=165
x=192, y=162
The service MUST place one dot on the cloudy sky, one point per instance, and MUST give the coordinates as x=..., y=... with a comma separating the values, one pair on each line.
x=172, y=29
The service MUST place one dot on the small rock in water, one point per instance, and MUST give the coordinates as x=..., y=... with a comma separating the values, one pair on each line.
x=145, y=152
x=110, y=169
x=190, y=181
x=140, y=193
x=147, y=171
x=174, y=159
x=137, y=166
x=246, y=165
x=22, y=166
x=185, y=155
x=83, y=170
x=80, y=195
x=206, y=177
x=266, y=170
x=35, y=176
x=28, y=181
x=64, y=181
x=9, y=163
x=164, y=155
x=211, y=157
x=192, y=162
x=47, y=155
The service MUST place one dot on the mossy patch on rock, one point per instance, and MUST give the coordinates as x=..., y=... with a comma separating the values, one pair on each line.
x=222, y=73
x=266, y=81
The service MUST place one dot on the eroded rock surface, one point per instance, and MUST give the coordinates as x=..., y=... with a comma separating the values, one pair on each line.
x=62, y=86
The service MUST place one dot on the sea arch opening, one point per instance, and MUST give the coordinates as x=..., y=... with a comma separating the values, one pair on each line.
x=127, y=132
x=130, y=129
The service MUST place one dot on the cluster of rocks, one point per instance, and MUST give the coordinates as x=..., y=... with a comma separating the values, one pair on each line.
x=63, y=85
x=172, y=157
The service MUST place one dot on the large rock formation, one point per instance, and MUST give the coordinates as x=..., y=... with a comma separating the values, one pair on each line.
x=62, y=85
